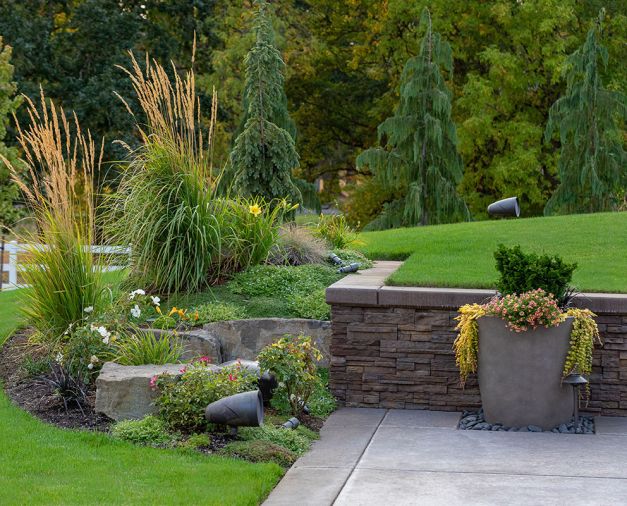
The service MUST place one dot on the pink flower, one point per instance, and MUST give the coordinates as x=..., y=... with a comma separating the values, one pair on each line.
x=183, y=370
x=204, y=360
x=153, y=381
x=232, y=377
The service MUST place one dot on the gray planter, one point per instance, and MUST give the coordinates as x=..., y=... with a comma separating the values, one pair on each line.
x=520, y=374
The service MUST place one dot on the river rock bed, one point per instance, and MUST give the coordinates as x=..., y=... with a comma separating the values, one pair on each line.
x=474, y=420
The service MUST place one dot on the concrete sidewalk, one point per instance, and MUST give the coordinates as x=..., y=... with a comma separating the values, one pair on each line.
x=377, y=456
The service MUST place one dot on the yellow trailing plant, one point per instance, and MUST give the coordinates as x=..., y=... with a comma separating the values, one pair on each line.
x=582, y=338
x=467, y=343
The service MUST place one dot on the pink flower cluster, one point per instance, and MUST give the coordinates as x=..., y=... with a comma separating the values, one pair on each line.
x=530, y=309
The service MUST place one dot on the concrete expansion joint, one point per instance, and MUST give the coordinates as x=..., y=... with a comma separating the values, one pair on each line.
x=361, y=455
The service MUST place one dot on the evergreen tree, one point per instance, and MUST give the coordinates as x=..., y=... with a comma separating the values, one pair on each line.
x=420, y=161
x=593, y=164
x=264, y=154
x=9, y=193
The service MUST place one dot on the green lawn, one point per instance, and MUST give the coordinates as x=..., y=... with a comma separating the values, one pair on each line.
x=461, y=254
x=45, y=465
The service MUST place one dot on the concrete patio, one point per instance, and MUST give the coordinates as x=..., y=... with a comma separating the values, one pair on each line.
x=378, y=456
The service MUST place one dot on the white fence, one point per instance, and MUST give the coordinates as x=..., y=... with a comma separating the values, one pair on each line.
x=13, y=267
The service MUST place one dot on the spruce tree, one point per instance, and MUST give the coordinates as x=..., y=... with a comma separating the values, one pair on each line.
x=592, y=166
x=418, y=158
x=264, y=154
x=9, y=193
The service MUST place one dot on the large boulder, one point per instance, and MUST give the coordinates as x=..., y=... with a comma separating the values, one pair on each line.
x=244, y=339
x=197, y=343
x=123, y=392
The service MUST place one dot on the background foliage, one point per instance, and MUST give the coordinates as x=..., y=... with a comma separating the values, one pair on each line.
x=343, y=67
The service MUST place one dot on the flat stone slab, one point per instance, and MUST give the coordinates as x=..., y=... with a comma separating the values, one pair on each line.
x=419, y=457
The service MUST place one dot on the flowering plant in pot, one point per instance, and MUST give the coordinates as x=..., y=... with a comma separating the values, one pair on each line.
x=522, y=345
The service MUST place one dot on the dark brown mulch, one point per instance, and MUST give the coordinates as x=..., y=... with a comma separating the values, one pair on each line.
x=35, y=395
x=311, y=422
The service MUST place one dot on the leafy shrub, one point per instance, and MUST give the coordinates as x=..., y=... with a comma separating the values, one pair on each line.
x=142, y=347
x=524, y=272
x=292, y=359
x=366, y=201
x=282, y=281
x=84, y=349
x=254, y=230
x=164, y=322
x=530, y=309
x=149, y=431
x=182, y=399
x=259, y=451
x=350, y=255
x=298, y=246
x=334, y=229
x=321, y=402
x=218, y=311
x=293, y=440
x=65, y=277
x=311, y=305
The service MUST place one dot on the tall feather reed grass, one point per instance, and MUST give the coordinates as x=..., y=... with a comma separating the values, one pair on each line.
x=166, y=208
x=183, y=234
x=65, y=277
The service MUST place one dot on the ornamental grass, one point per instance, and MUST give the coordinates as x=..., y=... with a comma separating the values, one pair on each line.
x=64, y=276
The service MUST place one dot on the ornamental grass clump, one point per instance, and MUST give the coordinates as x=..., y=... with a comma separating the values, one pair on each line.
x=166, y=206
x=64, y=275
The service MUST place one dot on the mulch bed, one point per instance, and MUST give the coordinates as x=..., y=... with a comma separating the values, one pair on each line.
x=35, y=395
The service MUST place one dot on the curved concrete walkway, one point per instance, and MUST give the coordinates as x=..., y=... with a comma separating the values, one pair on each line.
x=378, y=456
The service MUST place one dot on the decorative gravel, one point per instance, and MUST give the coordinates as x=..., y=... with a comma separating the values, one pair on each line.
x=474, y=420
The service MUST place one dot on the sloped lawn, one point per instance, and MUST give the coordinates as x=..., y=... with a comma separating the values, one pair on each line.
x=461, y=254
x=45, y=465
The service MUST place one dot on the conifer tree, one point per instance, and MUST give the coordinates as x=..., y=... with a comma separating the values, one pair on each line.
x=9, y=193
x=264, y=154
x=418, y=158
x=592, y=166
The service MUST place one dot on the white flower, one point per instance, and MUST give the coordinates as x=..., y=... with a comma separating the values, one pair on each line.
x=94, y=359
x=139, y=291
x=59, y=358
x=89, y=309
x=105, y=340
x=136, y=312
x=103, y=332
x=90, y=366
x=155, y=300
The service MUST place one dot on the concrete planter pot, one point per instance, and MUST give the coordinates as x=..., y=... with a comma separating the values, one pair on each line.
x=520, y=374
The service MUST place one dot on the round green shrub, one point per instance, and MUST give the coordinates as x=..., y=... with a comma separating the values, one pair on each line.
x=149, y=431
x=259, y=451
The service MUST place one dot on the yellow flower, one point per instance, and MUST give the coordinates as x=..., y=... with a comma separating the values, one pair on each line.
x=158, y=309
x=172, y=311
x=254, y=210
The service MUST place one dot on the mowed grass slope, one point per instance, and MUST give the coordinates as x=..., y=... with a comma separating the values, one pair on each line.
x=45, y=465
x=461, y=254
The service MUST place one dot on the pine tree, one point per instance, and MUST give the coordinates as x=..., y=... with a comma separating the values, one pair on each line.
x=592, y=166
x=418, y=157
x=264, y=154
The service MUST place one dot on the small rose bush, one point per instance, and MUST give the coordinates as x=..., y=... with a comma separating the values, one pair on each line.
x=182, y=399
x=531, y=309
x=292, y=360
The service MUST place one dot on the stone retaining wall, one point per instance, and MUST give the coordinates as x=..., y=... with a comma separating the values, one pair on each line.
x=391, y=347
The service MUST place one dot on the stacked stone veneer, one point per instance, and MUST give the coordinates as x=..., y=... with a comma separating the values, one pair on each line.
x=392, y=347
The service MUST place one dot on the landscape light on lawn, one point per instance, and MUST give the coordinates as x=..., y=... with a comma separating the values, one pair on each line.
x=505, y=208
x=239, y=410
